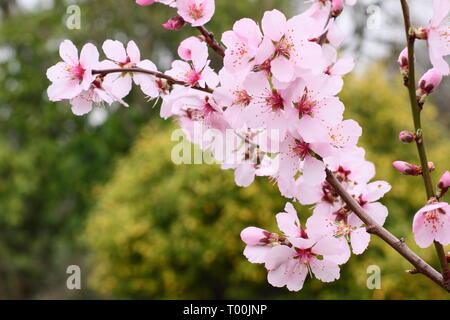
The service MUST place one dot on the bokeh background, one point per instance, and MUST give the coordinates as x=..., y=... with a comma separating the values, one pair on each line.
x=101, y=192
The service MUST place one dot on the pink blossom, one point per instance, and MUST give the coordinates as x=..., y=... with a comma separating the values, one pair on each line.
x=196, y=12
x=74, y=75
x=438, y=36
x=185, y=47
x=289, y=266
x=198, y=72
x=432, y=223
x=242, y=44
x=403, y=60
x=286, y=44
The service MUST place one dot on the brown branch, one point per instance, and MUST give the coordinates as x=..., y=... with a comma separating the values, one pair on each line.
x=420, y=143
x=374, y=228
x=156, y=74
x=212, y=43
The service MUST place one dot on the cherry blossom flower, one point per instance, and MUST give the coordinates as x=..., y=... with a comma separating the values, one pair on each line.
x=289, y=266
x=242, y=44
x=432, y=223
x=438, y=36
x=196, y=12
x=198, y=72
x=73, y=75
x=286, y=44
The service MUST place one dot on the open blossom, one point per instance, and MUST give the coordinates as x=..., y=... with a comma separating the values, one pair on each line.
x=73, y=75
x=198, y=72
x=286, y=45
x=196, y=12
x=242, y=44
x=432, y=223
x=291, y=257
x=129, y=58
x=438, y=36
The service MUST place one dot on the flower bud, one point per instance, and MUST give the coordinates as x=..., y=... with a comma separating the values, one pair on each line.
x=421, y=33
x=336, y=7
x=145, y=2
x=429, y=81
x=444, y=182
x=407, y=168
x=406, y=136
x=253, y=236
x=175, y=23
x=403, y=61
x=431, y=166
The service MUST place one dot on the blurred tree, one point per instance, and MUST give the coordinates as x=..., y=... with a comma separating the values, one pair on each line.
x=49, y=159
x=165, y=231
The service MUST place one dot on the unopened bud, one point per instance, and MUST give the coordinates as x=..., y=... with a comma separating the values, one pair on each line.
x=421, y=33
x=407, y=168
x=145, y=2
x=444, y=183
x=175, y=23
x=429, y=81
x=406, y=136
x=253, y=236
x=431, y=166
x=403, y=60
x=336, y=7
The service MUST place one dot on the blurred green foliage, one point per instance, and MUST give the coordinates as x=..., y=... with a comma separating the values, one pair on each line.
x=50, y=160
x=165, y=231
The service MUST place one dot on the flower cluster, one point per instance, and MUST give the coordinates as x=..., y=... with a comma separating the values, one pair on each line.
x=277, y=95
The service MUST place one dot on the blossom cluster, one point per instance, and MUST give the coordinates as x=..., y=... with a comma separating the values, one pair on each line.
x=277, y=92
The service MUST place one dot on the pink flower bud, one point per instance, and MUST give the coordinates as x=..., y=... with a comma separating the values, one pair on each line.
x=337, y=7
x=175, y=23
x=403, y=61
x=407, y=168
x=431, y=166
x=145, y=2
x=444, y=182
x=429, y=81
x=406, y=136
x=253, y=236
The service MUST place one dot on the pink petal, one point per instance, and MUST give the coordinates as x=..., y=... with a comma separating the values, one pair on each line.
x=115, y=50
x=359, y=239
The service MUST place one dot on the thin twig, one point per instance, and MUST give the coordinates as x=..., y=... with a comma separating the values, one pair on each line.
x=156, y=74
x=212, y=43
x=374, y=228
x=420, y=142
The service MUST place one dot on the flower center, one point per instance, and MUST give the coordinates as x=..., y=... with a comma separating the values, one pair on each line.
x=274, y=101
x=304, y=255
x=305, y=106
x=196, y=11
x=77, y=72
x=301, y=149
x=242, y=98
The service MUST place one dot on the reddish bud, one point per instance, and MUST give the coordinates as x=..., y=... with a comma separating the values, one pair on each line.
x=444, y=182
x=145, y=2
x=253, y=236
x=429, y=81
x=406, y=136
x=431, y=166
x=175, y=23
x=336, y=7
x=403, y=61
x=407, y=168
